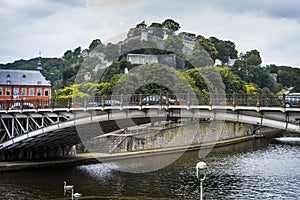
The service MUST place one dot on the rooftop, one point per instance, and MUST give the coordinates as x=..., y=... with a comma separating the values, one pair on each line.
x=22, y=77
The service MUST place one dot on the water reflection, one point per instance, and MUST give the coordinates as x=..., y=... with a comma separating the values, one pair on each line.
x=258, y=169
x=289, y=139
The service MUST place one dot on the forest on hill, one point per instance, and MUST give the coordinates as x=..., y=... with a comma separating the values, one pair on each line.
x=99, y=68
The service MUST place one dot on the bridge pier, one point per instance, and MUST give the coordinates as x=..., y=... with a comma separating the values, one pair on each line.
x=37, y=154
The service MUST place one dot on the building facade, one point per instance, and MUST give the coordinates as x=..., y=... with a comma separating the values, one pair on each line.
x=26, y=85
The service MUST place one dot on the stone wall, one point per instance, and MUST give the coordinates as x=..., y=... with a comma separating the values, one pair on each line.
x=186, y=135
x=140, y=59
x=170, y=60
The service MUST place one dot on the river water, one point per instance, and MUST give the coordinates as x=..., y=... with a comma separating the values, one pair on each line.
x=267, y=168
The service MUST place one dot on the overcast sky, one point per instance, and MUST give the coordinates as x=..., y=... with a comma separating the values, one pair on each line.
x=54, y=26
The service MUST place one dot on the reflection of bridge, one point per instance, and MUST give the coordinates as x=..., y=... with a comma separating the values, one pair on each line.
x=52, y=128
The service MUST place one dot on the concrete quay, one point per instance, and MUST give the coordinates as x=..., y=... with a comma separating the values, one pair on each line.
x=90, y=158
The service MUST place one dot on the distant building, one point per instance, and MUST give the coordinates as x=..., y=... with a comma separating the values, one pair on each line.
x=23, y=85
x=144, y=33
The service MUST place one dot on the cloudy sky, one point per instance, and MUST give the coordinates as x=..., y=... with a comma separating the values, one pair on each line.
x=54, y=26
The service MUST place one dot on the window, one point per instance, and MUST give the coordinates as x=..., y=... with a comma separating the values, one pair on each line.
x=39, y=92
x=31, y=92
x=8, y=82
x=1, y=91
x=7, y=92
x=46, y=92
x=24, y=76
x=8, y=75
x=24, y=92
x=16, y=93
x=39, y=82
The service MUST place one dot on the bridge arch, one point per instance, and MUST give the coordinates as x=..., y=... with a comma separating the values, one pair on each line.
x=65, y=132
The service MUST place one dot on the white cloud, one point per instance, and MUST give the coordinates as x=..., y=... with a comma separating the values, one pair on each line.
x=56, y=26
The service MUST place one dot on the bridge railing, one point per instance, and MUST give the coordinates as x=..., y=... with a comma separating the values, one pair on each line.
x=259, y=100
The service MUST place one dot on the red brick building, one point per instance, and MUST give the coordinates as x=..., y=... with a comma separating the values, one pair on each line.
x=25, y=85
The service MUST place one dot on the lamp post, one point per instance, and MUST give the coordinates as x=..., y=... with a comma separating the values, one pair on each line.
x=201, y=169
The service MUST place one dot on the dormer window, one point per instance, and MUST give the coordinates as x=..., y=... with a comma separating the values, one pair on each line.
x=39, y=82
x=8, y=75
x=8, y=82
x=24, y=76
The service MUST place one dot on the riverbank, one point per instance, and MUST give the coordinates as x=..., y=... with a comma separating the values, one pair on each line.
x=90, y=158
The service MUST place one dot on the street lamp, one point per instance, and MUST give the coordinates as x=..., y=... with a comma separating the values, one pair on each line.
x=201, y=169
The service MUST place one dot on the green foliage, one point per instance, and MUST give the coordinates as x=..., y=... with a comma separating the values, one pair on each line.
x=77, y=52
x=138, y=46
x=87, y=67
x=70, y=92
x=97, y=46
x=111, y=52
x=152, y=78
x=82, y=90
x=174, y=44
x=199, y=58
x=157, y=29
x=208, y=46
x=196, y=80
x=109, y=72
x=233, y=83
x=170, y=26
x=187, y=36
x=226, y=50
x=252, y=57
x=68, y=55
x=251, y=89
x=245, y=76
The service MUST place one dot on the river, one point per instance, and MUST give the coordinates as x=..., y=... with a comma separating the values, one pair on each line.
x=265, y=168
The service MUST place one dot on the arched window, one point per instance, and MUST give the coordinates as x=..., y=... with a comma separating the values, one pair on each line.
x=24, y=76
x=8, y=75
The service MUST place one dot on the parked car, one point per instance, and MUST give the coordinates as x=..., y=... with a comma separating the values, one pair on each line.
x=112, y=103
x=94, y=104
x=155, y=100
x=292, y=99
x=26, y=105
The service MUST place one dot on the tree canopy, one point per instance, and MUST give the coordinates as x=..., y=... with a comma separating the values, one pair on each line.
x=170, y=26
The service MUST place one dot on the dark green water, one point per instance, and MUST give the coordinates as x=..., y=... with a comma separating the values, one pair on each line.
x=266, y=168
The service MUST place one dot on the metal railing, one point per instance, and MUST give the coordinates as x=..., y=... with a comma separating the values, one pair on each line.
x=258, y=100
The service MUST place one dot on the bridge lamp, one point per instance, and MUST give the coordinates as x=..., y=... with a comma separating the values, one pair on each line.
x=201, y=169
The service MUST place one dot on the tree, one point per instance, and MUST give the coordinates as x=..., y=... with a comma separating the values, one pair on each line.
x=199, y=58
x=97, y=45
x=156, y=29
x=187, y=36
x=249, y=69
x=67, y=74
x=233, y=83
x=77, y=52
x=208, y=46
x=170, y=26
x=196, y=79
x=68, y=55
x=226, y=50
x=111, y=52
x=110, y=71
x=285, y=78
x=131, y=45
x=174, y=44
x=153, y=78
x=252, y=57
